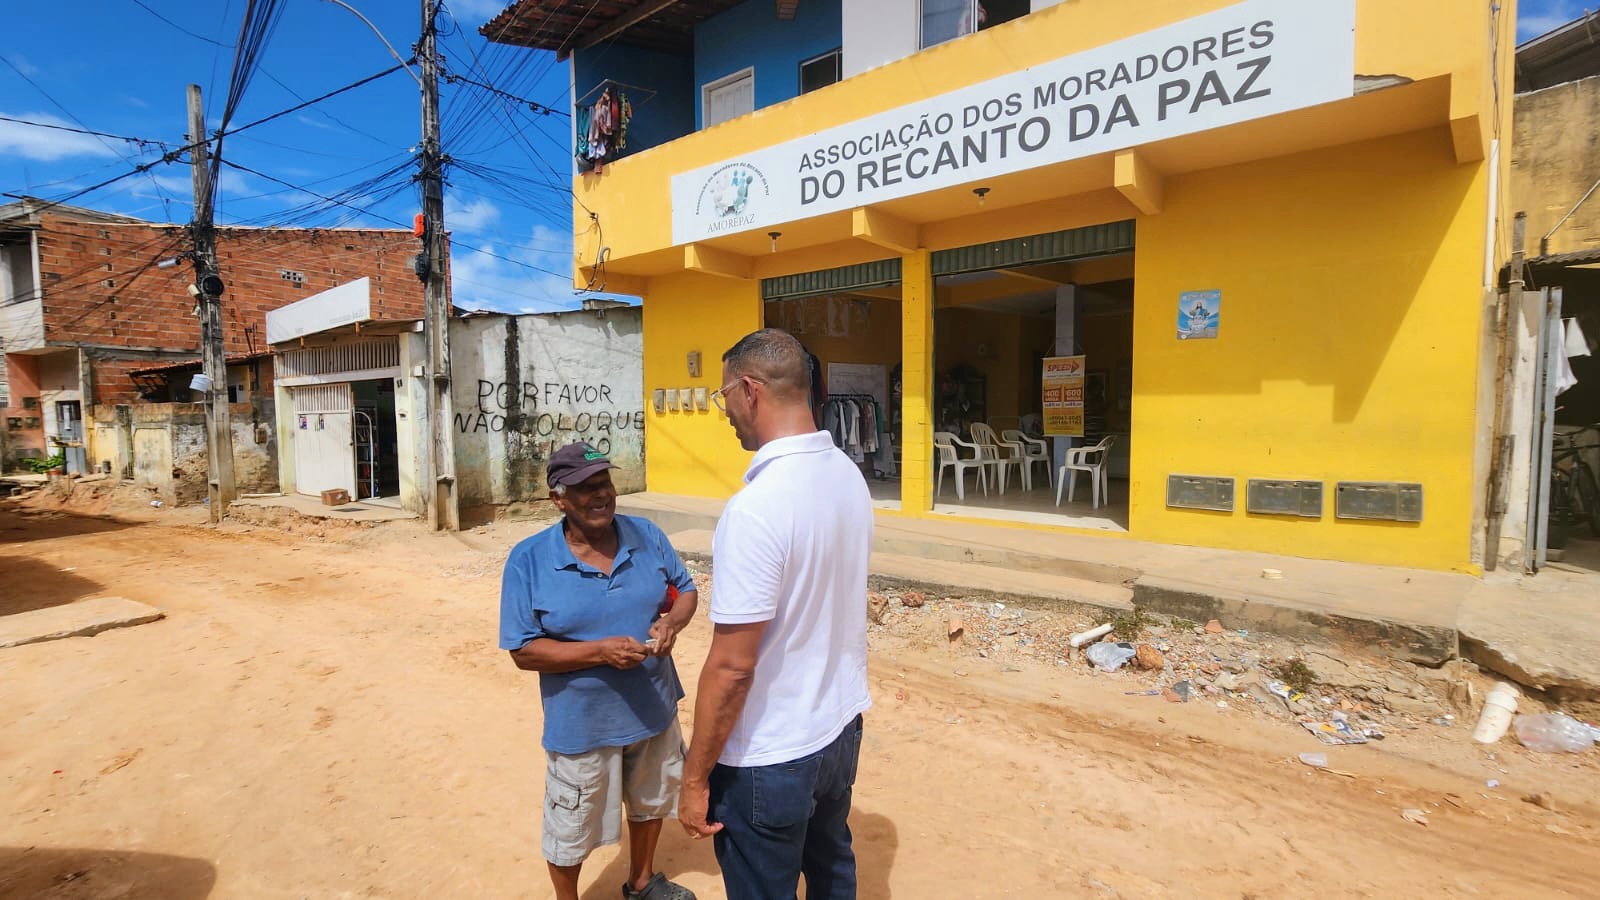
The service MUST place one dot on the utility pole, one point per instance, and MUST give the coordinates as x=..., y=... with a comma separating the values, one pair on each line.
x=443, y=511
x=219, y=432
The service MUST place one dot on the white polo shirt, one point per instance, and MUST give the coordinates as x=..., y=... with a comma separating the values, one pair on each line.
x=791, y=550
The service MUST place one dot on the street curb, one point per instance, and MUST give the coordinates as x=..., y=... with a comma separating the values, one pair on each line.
x=1425, y=645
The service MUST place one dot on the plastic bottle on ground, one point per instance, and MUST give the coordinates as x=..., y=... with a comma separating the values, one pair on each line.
x=1553, y=733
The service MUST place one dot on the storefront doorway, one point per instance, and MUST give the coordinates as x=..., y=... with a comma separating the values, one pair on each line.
x=999, y=453
x=849, y=320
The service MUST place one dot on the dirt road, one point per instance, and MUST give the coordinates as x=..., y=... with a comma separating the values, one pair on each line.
x=327, y=716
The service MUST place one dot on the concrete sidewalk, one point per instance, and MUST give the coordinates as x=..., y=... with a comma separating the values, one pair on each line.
x=1535, y=630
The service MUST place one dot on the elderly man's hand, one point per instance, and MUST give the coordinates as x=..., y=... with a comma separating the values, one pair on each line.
x=622, y=652
x=663, y=634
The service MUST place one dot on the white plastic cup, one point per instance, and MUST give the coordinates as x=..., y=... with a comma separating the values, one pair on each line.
x=1498, y=710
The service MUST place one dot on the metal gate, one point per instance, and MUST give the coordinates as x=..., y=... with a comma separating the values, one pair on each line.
x=324, y=445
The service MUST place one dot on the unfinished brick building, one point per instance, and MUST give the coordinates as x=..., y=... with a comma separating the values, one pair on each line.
x=89, y=317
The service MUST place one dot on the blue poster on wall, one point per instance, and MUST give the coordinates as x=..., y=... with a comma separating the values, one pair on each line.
x=1199, y=315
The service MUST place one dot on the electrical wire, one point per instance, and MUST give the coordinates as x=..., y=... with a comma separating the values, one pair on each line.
x=143, y=142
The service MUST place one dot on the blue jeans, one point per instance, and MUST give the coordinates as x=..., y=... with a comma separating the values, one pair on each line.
x=788, y=819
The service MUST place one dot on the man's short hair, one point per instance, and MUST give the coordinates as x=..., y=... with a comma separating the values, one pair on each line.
x=776, y=358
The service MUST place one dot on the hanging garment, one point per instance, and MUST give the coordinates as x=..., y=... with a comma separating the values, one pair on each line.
x=1576, y=343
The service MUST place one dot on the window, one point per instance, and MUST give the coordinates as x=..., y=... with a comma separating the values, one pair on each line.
x=728, y=98
x=946, y=20
x=820, y=71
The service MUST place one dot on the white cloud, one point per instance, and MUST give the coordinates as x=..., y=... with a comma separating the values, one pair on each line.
x=137, y=103
x=45, y=144
x=1535, y=17
x=313, y=123
x=472, y=13
x=473, y=216
x=23, y=66
x=504, y=283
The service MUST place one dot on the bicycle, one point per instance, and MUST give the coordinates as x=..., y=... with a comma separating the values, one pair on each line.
x=1574, y=489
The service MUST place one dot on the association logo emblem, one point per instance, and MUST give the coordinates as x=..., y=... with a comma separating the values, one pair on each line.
x=731, y=195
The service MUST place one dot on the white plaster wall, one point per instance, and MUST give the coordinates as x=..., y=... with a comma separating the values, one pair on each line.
x=58, y=383
x=877, y=32
x=562, y=377
x=22, y=325
x=1042, y=4
x=411, y=423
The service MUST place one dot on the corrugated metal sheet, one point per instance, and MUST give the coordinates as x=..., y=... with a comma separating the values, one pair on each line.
x=880, y=273
x=1057, y=246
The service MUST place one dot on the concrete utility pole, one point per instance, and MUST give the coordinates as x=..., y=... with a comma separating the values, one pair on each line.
x=443, y=511
x=219, y=432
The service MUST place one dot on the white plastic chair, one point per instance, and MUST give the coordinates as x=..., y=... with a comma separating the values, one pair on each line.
x=1033, y=452
x=997, y=453
x=945, y=444
x=1086, y=459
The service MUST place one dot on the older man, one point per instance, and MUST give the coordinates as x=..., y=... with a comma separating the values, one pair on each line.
x=583, y=603
x=777, y=719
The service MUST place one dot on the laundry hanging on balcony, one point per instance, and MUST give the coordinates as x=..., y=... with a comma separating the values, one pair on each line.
x=602, y=130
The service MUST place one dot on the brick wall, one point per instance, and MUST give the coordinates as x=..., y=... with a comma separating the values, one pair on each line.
x=101, y=288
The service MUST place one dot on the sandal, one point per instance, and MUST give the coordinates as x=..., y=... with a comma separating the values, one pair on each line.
x=658, y=888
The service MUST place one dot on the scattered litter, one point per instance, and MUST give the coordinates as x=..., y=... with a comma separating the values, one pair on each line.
x=1315, y=760
x=1152, y=693
x=1109, y=657
x=1335, y=732
x=1414, y=815
x=1148, y=657
x=155, y=504
x=1443, y=721
x=954, y=629
x=1178, y=693
x=1553, y=733
x=1542, y=799
x=1492, y=783
x=1272, y=574
x=1222, y=704
x=1093, y=634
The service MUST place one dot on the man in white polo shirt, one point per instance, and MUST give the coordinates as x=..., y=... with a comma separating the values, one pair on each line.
x=777, y=723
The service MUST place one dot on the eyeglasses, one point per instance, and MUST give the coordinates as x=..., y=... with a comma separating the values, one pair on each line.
x=721, y=392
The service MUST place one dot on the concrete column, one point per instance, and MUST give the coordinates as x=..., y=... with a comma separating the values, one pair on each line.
x=1066, y=343
x=916, y=382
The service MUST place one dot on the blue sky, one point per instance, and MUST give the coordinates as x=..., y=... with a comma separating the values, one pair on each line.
x=115, y=66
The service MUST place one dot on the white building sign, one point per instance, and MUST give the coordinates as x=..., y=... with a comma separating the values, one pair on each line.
x=1255, y=59
x=343, y=305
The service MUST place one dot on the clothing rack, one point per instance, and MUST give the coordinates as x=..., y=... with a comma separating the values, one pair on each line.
x=612, y=82
x=879, y=463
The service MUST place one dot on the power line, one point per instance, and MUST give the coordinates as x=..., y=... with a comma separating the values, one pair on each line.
x=539, y=108
x=367, y=211
x=198, y=37
x=40, y=88
x=143, y=142
x=265, y=71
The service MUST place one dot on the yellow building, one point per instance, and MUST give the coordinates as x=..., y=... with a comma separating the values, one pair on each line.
x=935, y=210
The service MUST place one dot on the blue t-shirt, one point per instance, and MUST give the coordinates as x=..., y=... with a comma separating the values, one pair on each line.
x=547, y=593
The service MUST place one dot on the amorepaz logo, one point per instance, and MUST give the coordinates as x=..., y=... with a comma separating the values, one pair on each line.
x=732, y=196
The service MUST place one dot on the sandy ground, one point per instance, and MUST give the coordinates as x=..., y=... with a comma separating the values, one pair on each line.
x=323, y=713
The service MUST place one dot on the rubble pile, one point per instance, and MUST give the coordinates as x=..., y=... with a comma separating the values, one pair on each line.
x=1151, y=655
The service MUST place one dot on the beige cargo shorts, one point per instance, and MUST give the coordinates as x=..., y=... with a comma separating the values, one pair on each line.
x=585, y=794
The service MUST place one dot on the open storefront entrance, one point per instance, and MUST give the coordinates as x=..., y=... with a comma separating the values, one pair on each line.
x=849, y=320
x=1012, y=442
x=345, y=438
